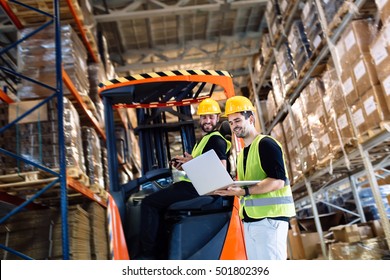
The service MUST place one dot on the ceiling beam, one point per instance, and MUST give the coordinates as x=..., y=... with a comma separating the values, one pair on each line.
x=126, y=14
x=162, y=64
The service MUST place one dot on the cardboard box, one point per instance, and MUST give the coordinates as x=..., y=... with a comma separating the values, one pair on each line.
x=385, y=84
x=344, y=125
x=380, y=53
x=365, y=75
x=375, y=107
x=371, y=249
x=384, y=9
x=349, y=88
x=359, y=118
x=302, y=245
x=346, y=233
x=356, y=39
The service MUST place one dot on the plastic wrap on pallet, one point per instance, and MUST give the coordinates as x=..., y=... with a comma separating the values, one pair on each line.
x=38, y=62
x=380, y=53
x=356, y=40
x=292, y=150
x=331, y=7
x=286, y=68
x=277, y=87
x=300, y=118
x=266, y=49
x=384, y=10
x=92, y=153
x=36, y=139
x=312, y=25
x=367, y=200
x=271, y=106
x=273, y=18
x=299, y=45
x=106, y=176
x=317, y=118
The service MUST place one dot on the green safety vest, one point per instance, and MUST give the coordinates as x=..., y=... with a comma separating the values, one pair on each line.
x=198, y=148
x=278, y=203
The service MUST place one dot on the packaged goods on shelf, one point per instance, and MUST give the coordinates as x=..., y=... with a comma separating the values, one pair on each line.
x=383, y=9
x=38, y=61
x=380, y=53
x=274, y=20
x=301, y=124
x=369, y=249
x=312, y=25
x=365, y=75
x=356, y=39
x=36, y=139
x=331, y=7
x=374, y=108
x=286, y=68
x=292, y=149
x=29, y=233
x=271, y=106
x=277, y=86
x=93, y=161
x=99, y=235
x=299, y=45
x=104, y=157
x=79, y=235
x=266, y=49
x=349, y=87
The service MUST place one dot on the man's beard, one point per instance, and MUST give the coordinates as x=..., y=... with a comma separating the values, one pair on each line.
x=212, y=128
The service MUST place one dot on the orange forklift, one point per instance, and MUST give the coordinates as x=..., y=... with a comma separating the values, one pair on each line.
x=204, y=228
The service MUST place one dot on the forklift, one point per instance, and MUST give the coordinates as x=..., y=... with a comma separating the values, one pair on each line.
x=205, y=228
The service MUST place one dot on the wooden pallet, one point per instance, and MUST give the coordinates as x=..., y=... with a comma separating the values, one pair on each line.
x=373, y=132
x=338, y=18
x=30, y=17
x=25, y=179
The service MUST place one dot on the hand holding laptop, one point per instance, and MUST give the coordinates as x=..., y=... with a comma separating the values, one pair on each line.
x=178, y=161
x=208, y=174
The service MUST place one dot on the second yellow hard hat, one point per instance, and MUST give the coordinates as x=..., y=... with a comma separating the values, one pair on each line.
x=237, y=104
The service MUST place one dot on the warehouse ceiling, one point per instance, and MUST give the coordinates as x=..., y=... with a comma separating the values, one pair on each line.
x=149, y=35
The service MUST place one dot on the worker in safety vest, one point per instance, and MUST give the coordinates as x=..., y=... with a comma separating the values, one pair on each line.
x=265, y=207
x=154, y=205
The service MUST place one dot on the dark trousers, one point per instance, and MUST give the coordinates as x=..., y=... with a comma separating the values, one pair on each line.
x=153, y=208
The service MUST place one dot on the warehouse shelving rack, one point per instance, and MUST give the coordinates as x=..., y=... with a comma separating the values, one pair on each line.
x=59, y=177
x=365, y=159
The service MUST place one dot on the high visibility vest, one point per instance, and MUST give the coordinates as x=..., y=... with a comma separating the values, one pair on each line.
x=198, y=148
x=277, y=203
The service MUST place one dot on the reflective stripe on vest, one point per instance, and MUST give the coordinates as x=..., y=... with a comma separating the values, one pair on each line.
x=268, y=201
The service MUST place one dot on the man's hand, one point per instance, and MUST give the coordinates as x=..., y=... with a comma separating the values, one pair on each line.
x=232, y=190
x=178, y=161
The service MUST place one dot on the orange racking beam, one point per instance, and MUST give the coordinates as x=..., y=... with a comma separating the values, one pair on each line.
x=82, y=32
x=5, y=97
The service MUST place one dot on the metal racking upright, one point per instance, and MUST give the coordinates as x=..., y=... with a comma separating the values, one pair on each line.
x=365, y=159
x=59, y=177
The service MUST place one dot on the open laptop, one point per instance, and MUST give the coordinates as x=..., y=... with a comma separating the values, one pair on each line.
x=208, y=174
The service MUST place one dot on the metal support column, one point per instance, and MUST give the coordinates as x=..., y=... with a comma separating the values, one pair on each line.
x=316, y=217
x=359, y=208
x=257, y=101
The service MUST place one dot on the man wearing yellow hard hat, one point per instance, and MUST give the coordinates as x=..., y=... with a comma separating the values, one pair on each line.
x=265, y=207
x=154, y=205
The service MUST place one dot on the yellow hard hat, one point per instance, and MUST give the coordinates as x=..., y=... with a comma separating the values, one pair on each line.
x=208, y=107
x=237, y=104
